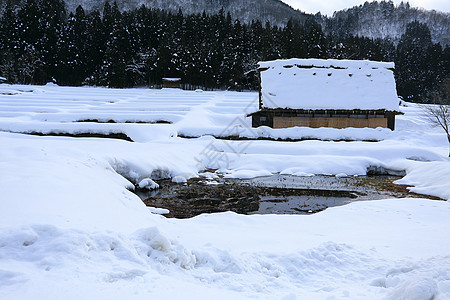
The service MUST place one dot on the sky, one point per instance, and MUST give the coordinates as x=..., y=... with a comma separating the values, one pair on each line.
x=327, y=7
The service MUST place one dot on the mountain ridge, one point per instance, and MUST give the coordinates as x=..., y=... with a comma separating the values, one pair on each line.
x=374, y=20
x=385, y=20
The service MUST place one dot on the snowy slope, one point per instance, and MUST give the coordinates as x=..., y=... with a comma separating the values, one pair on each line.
x=70, y=228
x=274, y=11
x=384, y=19
x=374, y=19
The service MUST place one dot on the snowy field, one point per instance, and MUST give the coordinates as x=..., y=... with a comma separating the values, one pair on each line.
x=70, y=228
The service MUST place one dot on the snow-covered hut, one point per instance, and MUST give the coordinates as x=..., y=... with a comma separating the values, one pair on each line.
x=172, y=83
x=326, y=93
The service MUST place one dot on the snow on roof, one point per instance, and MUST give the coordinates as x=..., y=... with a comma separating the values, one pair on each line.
x=171, y=79
x=328, y=84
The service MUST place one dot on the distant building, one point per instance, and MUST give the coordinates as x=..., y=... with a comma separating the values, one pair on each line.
x=172, y=83
x=326, y=93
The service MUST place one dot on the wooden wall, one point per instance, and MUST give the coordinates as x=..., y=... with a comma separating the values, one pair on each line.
x=171, y=84
x=285, y=122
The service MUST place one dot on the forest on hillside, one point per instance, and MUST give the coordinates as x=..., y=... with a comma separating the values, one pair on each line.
x=40, y=42
x=384, y=19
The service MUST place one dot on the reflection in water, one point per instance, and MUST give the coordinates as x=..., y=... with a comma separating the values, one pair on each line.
x=277, y=194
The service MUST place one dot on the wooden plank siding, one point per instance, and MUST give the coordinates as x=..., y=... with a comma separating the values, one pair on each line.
x=285, y=122
x=171, y=83
x=284, y=118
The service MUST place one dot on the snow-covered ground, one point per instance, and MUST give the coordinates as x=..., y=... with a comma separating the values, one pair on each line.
x=70, y=228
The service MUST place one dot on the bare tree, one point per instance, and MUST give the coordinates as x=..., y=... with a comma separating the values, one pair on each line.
x=439, y=113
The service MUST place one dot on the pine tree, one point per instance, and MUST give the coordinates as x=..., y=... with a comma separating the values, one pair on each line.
x=288, y=40
x=316, y=42
x=51, y=22
x=74, y=44
x=412, y=59
x=113, y=69
x=271, y=43
x=95, y=50
x=30, y=65
x=8, y=42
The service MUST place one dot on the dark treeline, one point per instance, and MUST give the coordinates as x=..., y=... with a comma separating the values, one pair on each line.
x=41, y=42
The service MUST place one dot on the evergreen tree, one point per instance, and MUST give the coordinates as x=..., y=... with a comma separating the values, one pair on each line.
x=51, y=22
x=446, y=65
x=412, y=60
x=316, y=41
x=271, y=43
x=8, y=42
x=29, y=62
x=95, y=50
x=113, y=68
x=337, y=48
x=74, y=42
x=287, y=40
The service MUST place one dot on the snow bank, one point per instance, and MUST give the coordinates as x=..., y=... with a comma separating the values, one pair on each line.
x=292, y=133
x=430, y=178
x=81, y=179
x=258, y=158
x=224, y=255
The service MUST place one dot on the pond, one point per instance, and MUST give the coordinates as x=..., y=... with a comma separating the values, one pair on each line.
x=276, y=194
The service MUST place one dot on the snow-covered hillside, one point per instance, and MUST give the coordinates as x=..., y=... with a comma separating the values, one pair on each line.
x=374, y=19
x=70, y=228
x=274, y=11
x=382, y=19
